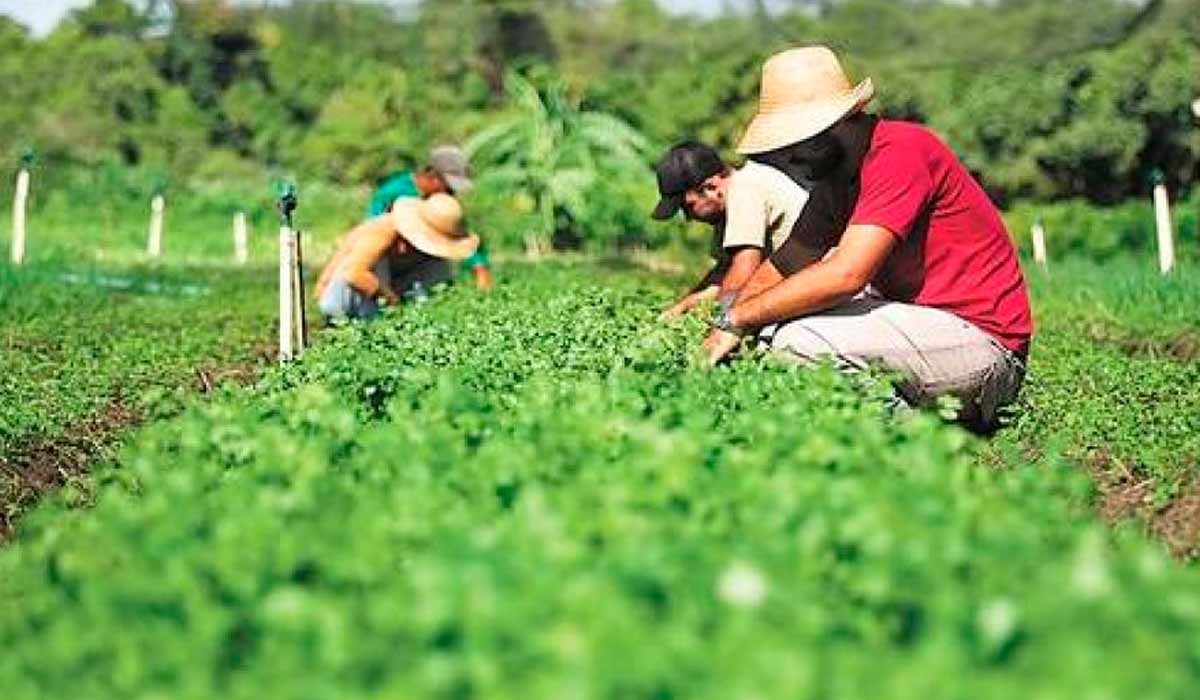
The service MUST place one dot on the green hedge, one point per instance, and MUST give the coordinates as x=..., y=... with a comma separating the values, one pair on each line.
x=1101, y=233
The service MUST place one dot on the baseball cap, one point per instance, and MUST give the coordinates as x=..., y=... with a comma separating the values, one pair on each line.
x=450, y=164
x=684, y=167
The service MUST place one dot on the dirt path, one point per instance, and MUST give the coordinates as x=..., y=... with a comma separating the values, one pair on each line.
x=46, y=463
x=1123, y=495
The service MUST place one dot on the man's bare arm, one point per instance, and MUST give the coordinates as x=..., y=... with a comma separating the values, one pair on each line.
x=743, y=263
x=819, y=286
x=706, y=288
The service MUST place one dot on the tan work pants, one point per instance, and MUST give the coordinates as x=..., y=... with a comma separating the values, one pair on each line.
x=935, y=352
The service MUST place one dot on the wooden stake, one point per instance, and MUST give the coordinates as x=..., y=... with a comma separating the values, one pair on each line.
x=154, y=241
x=287, y=266
x=1162, y=220
x=298, y=328
x=17, y=252
x=1038, y=232
x=239, y=238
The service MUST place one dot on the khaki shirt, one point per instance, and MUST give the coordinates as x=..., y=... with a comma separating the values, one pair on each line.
x=761, y=206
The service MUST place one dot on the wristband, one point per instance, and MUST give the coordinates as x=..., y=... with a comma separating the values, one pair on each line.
x=726, y=300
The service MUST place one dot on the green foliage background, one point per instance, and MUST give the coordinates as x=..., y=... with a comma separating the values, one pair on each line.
x=1045, y=100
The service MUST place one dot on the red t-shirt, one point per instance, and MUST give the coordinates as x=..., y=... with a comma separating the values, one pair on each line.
x=954, y=253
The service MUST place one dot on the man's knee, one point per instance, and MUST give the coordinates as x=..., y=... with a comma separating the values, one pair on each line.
x=798, y=342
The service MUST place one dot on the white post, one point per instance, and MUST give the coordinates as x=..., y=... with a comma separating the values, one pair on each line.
x=287, y=264
x=239, y=238
x=18, y=217
x=154, y=241
x=1162, y=220
x=1038, y=232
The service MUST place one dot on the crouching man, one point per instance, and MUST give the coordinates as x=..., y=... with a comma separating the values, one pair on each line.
x=953, y=318
x=446, y=172
x=393, y=253
x=752, y=210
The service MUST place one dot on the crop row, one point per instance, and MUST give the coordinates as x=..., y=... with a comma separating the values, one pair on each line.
x=537, y=494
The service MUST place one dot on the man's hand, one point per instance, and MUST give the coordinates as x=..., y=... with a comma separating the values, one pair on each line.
x=688, y=303
x=386, y=297
x=679, y=308
x=719, y=344
x=483, y=277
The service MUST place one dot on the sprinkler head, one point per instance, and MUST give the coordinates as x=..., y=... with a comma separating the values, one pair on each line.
x=286, y=202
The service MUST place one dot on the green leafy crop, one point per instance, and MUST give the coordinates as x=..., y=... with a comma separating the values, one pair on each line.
x=534, y=493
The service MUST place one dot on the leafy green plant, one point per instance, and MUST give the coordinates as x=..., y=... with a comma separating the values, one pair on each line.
x=1113, y=378
x=552, y=155
x=418, y=510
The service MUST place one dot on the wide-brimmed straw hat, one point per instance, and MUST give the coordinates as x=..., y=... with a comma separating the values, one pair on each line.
x=434, y=226
x=803, y=92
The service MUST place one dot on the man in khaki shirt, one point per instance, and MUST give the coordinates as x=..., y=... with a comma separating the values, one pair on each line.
x=752, y=210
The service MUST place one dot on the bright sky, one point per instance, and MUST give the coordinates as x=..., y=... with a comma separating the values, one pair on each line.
x=42, y=15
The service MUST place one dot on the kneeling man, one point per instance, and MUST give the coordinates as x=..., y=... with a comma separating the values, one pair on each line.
x=953, y=315
x=389, y=253
x=752, y=210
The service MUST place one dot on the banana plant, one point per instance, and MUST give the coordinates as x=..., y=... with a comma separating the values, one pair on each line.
x=553, y=152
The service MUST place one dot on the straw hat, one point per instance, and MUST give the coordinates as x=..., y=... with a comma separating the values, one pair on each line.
x=803, y=92
x=434, y=226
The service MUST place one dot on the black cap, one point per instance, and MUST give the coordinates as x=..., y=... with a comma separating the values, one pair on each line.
x=684, y=167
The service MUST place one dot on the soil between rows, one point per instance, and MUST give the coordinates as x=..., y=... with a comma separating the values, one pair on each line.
x=43, y=464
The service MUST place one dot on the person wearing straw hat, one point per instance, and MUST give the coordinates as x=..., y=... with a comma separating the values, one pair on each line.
x=446, y=172
x=952, y=314
x=752, y=210
x=376, y=259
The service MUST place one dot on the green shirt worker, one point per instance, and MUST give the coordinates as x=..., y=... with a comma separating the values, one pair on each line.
x=446, y=173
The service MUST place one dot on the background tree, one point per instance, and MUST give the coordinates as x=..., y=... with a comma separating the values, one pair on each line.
x=1044, y=100
x=552, y=155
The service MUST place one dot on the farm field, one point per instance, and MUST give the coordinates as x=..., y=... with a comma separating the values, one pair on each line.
x=1114, y=385
x=544, y=490
x=415, y=510
x=86, y=353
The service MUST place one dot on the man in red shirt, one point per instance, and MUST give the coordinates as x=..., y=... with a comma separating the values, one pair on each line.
x=949, y=311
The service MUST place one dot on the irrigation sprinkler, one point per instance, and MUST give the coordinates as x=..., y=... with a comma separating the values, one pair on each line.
x=292, y=326
x=20, y=197
x=240, y=255
x=1162, y=221
x=1038, y=233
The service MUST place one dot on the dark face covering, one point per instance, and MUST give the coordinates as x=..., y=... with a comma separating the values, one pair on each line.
x=811, y=160
x=827, y=166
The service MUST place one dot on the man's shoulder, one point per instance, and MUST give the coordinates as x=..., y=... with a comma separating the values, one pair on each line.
x=765, y=182
x=893, y=135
